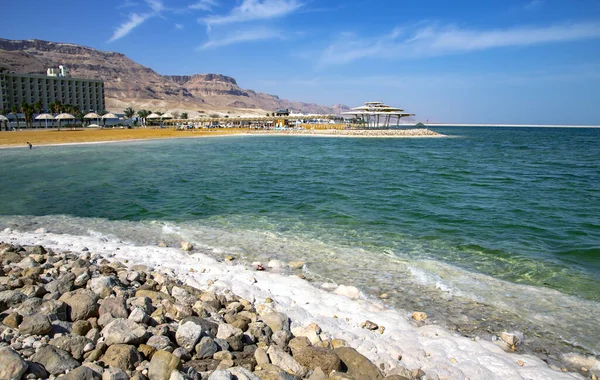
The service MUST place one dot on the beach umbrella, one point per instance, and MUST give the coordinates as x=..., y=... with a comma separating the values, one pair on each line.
x=3, y=118
x=109, y=116
x=166, y=116
x=64, y=116
x=153, y=116
x=44, y=116
x=92, y=115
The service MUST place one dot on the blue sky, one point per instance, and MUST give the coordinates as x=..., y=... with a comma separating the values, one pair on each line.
x=463, y=61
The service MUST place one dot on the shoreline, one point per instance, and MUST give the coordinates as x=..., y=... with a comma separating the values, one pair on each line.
x=44, y=137
x=420, y=345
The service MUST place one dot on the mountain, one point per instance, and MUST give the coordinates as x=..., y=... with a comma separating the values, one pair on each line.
x=127, y=83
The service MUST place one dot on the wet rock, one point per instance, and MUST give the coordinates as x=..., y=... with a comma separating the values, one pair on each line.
x=55, y=360
x=313, y=357
x=81, y=304
x=359, y=367
x=186, y=246
x=296, y=264
x=161, y=365
x=419, y=316
x=35, y=324
x=12, y=365
x=275, y=264
x=123, y=331
x=511, y=338
x=349, y=291
x=121, y=356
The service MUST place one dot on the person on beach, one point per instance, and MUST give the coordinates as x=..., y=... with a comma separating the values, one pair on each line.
x=29, y=144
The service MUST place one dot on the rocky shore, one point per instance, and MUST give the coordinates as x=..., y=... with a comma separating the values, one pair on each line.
x=414, y=132
x=111, y=311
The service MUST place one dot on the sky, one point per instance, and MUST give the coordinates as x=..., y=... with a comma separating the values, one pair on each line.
x=459, y=61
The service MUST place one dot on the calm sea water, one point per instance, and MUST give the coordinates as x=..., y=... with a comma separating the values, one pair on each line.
x=489, y=230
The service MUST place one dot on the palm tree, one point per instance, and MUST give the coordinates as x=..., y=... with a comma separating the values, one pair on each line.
x=143, y=114
x=37, y=106
x=55, y=107
x=184, y=115
x=129, y=112
x=28, y=113
x=15, y=111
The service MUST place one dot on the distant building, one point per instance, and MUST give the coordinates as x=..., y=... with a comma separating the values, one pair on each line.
x=87, y=94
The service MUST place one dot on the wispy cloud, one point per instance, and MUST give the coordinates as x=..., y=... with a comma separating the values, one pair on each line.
x=203, y=5
x=431, y=40
x=137, y=19
x=242, y=36
x=533, y=5
x=179, y=26
x=251, y=10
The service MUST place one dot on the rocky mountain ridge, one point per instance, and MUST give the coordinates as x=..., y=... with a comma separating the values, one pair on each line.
x=128, y=83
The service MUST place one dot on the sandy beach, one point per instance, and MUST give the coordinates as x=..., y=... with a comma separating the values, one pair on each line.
x=340, y=311
x=67, y=136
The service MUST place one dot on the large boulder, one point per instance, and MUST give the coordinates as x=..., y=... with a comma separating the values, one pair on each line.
x=115, y=306
x=123, y=331
x=188, y=334
x=12, y=365
x=81, y=304
x=55, y=360
x=359, y=367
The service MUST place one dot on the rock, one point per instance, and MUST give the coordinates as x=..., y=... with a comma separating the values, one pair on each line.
x=55, y=360
x=276, y=321
x=419, y=316
x=511, y=338
x=159, y=342
x=63, y=284
x=81, y=327
x=81, y=304
x=123, y=331
x=188, y=334
x=369, y=325
x=312, y=332
x=37, y=370
x=12, y=365
x=281, y=338
x=261, y=332
x=296, y=264
x=220, y=375
x=272, y=372
x=183, y=296
x=177, y=375
x=261, y=357
x=161, y=365
x=102, y=286
x=73, y=344
x=121, y=356
x=225, y=331
x=36, y=324
x=81, y=373
x=359, y=367
x=153, y=295
x=285, y=361
x=275, y=264
x=402, y=373
x=187, y=246
x=241, y=373
x=115, y=306
x=138, y=315
x=210, y=328
x=12, y=297
x=113, y=373
x=349, y=291
x=13, y=320
x=313, y=357
x=298, y=343
x=206, y=348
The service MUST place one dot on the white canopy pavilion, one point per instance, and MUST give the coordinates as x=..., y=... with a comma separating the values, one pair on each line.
x=372, y=112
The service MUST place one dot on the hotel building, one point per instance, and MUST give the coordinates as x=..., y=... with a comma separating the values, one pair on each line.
x=87, y=94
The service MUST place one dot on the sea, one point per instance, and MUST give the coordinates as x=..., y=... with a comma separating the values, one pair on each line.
x=486, y=230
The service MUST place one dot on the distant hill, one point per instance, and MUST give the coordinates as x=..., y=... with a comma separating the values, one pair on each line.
x=128, y=83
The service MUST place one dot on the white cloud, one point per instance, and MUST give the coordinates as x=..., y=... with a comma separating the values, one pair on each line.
x=179, y=26
x=204, y=5
x=242, y=36
x=134, y=21
x=430, y=40
x=251, y=10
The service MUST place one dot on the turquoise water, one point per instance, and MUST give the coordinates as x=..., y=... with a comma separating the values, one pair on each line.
x=493, y=224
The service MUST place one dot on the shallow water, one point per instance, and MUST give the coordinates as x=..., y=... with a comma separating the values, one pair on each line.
x=494, y=229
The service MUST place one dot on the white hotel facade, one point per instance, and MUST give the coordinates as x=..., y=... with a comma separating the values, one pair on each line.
x=87, y=94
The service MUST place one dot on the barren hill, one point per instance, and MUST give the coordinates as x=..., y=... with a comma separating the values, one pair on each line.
x=128, y=83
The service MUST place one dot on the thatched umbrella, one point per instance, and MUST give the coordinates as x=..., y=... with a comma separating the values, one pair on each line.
x=109, y=116
x=64, y=116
